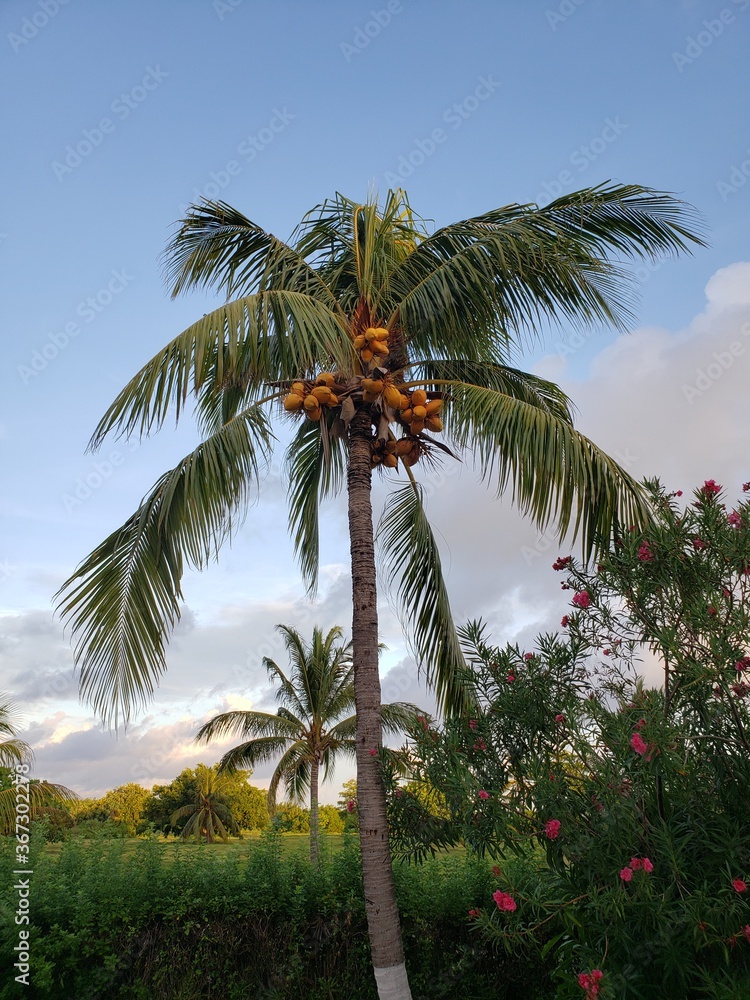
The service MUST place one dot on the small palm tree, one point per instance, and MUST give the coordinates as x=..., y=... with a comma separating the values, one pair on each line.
x=210, y=816
x=43, y=795
x=308, y=730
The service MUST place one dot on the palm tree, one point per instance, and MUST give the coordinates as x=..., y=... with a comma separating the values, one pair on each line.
x=308, y=729
x=43, y=795
x=209, y=814
x=350, y=329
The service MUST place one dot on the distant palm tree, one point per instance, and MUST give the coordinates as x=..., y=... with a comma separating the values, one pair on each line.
x=210, y=815
x=308, y=730
x=13, y=751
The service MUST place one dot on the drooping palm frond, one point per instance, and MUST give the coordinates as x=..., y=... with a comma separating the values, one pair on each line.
x=42, y=795
x=524, y=386
x=244, y=723
x=123, y=600
x=493, y=279
x=263, y=338
x=413, y=564
x=315, y=470
x=555, y=473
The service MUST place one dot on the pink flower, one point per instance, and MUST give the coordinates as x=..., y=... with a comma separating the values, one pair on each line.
x=480, y=744
x=734, y=519
x=510, y=678
x=552, y=829
x=626, y=874
x=710, y=487
x=678, y=493
x=350, y=806
x=645, y=554
x=743, y=664
x=504, y=901
x=528, y=656
x=738, y=885
x=564, y=621
x=497, y=871
x=636, y=742
x=636, y=864
x=475, y=913
x=472, y=723
x=561, y=562
x=745, y=487
x=647, y=865
x=559, y=717
x=640, y=724
x=582, y=599
x=698, y=544
x=589, y=981
x=483, y=794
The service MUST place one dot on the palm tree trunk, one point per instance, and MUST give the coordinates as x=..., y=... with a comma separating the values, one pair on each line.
x=380, y=895
x=314, y=839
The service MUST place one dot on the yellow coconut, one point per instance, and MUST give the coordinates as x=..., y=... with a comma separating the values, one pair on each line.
x=404, y=446
x=325, y=378
x=417, y=426
x=433, y=423
x=419, y=397
x=299, y=388
x=311, y=403
x=380, y=333
x=359, y=342
x=334, y=400
x=313, y=414
x=390, y=461
x=390, y=447
x=379, y=348
x=434, y=406
x=366, y=355
x=420, y=412
x=322, y=393
x=404, y=404
x=408, y=415
x=293, y=402
x=392, y=396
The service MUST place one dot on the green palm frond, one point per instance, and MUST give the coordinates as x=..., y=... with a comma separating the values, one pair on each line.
x=218, y=247
x=555, y=473
x=413, y=563
x=476, y=286
x=250, y=754
x=42, y=795
x=294, y=770
x=512, y=382
x=123, y=600
x=315, y=469
x=245, y=723
x=263, y=338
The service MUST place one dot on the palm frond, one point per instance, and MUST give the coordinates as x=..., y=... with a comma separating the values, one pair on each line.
x=254, y=752
x=123, y=600
x=255, y=341
x=248, y=723
x=315, y=467
x=411, y=557
x=475, y=287
x=555, y=473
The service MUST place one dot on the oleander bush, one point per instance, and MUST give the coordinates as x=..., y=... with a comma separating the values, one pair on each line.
x=639, y=796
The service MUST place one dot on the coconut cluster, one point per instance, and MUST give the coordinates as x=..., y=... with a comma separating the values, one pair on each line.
x=313, y=397
x=409, y=412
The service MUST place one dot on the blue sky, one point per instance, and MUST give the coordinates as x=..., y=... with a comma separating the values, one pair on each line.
x=122, y=113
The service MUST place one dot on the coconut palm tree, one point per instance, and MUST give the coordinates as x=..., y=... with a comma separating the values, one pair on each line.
x=43, y=795
x=209, y=814
x=386, y=344
x=308, y=729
